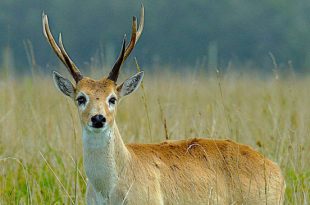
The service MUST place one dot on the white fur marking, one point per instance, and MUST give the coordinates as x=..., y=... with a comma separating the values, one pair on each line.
x=111, y=106
x=83, y=107
x=99, y=163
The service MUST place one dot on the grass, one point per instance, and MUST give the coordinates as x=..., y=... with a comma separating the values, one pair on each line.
x=41, y=158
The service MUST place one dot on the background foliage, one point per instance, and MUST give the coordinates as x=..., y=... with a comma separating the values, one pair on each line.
x=203, y=32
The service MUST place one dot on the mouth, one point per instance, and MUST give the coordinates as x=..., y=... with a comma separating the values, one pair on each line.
x=93, y=128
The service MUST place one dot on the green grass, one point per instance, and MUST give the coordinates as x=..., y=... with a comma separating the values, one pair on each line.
x=40, y=144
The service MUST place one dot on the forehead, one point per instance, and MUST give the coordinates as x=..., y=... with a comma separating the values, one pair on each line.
x=95, y=87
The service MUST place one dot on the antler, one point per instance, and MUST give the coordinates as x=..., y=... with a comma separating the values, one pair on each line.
x=113, y=75
x=135, y=35
x=60, y=51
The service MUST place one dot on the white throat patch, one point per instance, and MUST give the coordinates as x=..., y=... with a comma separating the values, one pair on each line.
x=97, y=138
x=99, y=164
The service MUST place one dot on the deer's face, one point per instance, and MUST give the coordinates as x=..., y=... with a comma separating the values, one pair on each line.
x=97, y=100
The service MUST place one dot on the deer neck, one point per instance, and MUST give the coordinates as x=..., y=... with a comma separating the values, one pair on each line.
x=105, y=157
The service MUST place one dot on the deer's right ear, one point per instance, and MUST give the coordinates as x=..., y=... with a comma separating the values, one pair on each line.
x=63, y=84
x=131, y=84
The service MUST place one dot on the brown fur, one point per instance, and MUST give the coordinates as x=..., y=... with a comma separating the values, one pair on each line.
x=206, y=171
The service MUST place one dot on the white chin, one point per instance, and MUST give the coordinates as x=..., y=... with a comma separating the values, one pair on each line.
x=97, y=130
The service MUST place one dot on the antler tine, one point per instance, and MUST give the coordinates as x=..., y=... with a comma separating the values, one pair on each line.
x=60, y=52
x=141, y=24
x=135, y=35
x=113, y=75
x=76, y=74
x=48, y=35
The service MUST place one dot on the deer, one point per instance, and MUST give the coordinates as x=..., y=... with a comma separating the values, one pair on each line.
x=189, y=171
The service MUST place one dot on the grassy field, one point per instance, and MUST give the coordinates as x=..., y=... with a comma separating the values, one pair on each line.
x=41, y=158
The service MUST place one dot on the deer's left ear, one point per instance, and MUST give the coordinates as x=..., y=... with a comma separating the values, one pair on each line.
x=130, y=85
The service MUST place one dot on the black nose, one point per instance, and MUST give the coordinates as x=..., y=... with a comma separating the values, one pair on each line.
x=98, y=121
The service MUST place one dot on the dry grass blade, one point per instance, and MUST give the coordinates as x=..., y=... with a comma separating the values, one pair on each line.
x=61, y=184
x=144, y=98
x=164, y=120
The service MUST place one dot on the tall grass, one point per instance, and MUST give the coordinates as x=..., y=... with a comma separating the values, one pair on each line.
x=41, y=149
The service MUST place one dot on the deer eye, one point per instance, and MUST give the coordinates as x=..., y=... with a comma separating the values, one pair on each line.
x=112, y=100
x=81, y=100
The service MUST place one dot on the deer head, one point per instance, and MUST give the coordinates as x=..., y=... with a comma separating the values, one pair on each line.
x=96, y=99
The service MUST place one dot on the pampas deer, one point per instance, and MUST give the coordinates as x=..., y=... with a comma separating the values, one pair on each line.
x=192, y=171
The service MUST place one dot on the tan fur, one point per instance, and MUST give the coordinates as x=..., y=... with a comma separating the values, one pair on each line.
x=193, y=171
x=204, y=171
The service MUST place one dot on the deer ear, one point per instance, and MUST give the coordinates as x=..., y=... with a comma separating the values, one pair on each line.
x=63, y=84
x=130, y=85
